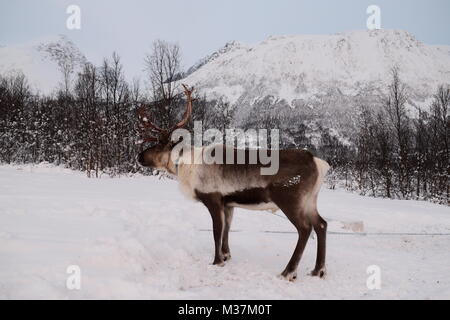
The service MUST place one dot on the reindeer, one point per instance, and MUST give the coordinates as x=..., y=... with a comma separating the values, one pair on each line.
x=222, y=187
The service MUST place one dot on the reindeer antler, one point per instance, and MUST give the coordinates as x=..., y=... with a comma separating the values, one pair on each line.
x=147, y=125
x=188, y=112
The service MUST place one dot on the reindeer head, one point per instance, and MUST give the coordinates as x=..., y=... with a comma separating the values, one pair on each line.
x=158, y=155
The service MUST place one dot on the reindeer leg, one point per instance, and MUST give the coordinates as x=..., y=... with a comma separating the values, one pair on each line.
x=320, y=227
x=214, y=203
x=304, y=230
x=217, y=216
x=228, y=219
x=287, y=200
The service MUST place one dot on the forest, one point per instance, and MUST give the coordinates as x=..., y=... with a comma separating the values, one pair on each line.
x=91, y=124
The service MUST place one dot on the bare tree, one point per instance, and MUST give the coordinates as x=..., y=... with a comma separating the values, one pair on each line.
x=440, y=125
x=441, y=115
x=163, y=65
x=395, y=107
x=67, y=58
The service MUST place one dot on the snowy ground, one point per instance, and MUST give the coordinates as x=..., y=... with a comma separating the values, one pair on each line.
x=140, y=238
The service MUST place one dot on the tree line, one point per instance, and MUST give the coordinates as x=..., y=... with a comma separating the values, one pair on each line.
x=92, y=124
x=395, y=155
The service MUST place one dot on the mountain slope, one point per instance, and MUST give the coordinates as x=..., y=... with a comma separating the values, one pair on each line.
x=302, y=69
x=41, y=61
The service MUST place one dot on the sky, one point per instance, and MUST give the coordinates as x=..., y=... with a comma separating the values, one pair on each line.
x=202, y=26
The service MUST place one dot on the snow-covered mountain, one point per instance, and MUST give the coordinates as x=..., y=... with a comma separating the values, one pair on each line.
x=309, y=69
x=42, y=61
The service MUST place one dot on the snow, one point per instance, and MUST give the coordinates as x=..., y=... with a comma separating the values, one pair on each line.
x=138, y=237
x=301, y=66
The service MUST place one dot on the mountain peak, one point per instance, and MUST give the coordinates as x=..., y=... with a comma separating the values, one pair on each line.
x=305, y=67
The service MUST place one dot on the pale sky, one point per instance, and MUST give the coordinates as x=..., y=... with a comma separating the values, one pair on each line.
x=202, y=26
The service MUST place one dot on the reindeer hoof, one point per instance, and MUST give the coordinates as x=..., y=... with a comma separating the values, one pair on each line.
x=318, y=273
x=219, y=263
x=226, y=256
x=289, y=276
